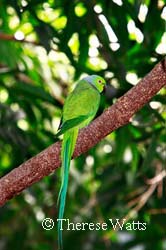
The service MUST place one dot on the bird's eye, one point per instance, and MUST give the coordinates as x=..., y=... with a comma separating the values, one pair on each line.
x=99, y=81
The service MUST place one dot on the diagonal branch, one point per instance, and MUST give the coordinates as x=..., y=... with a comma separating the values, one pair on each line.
x=112, y=118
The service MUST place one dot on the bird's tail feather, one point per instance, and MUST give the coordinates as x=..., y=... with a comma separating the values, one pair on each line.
x=68, y=145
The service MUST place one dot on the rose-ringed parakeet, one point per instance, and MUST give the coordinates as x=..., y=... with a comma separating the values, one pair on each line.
x=79, y=109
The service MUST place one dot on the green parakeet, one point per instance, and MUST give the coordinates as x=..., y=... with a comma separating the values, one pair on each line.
x=79, y=109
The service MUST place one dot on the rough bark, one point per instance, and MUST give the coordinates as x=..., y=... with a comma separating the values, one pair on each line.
x=112, y=118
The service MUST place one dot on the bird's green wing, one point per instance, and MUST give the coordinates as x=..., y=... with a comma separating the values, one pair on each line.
x=71, y=123
x=80, y=107
x=84, y=100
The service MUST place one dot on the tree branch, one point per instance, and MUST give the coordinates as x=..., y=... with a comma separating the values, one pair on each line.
x=112, y=118
x=8, y=37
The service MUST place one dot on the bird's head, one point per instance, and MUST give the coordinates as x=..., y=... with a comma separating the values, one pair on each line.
x=97, y=81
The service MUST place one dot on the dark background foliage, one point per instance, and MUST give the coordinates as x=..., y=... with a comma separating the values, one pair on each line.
x=46, y=46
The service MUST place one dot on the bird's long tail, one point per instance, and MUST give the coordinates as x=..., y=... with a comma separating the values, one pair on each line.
x=68, y=144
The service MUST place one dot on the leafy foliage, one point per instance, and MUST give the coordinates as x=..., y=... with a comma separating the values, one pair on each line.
x=45, y=47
